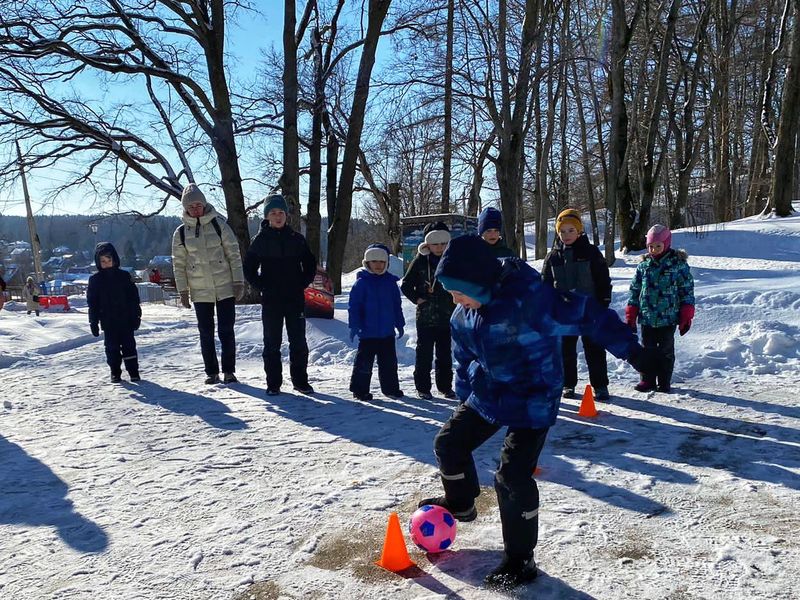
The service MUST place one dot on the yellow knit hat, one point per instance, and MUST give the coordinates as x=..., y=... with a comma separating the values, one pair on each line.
x=571, y=216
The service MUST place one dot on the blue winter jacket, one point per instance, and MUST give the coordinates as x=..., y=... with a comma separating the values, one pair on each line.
x=508, y=352
x=374, y=308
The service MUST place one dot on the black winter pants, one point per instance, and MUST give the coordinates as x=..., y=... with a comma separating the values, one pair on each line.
x=662, y=338
x=384, y=350
x=273, y=316
x=120, y=346
x=428, y=339
x=517, y=493
x=595, y=359
x=226, y=316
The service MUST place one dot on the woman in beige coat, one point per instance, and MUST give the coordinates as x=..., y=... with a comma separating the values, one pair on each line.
x=30, y=293
x=208, y=266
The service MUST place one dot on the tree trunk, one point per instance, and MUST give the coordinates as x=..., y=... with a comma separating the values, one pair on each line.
x=587, y=170
x=511, y=117
x=313, y=219
x=337, y=235
x=223, y=139
x=783, y=172
x=290, y=178
x=447, y=157
x=618, y=193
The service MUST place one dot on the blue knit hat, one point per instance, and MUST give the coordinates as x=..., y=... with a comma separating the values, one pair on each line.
x=275, y=201
x=473, y=290
x=490, y=218
x=468, y=258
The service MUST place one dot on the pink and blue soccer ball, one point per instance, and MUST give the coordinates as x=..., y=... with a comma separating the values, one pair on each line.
x=432, y=528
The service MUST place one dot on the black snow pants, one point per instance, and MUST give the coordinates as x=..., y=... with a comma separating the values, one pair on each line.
x=226, y=316
x=517, y=493
x=595, y=359
x=429, y=338
x=273, y=316
x=662, y=338
x=369, y=348
x=120, y=346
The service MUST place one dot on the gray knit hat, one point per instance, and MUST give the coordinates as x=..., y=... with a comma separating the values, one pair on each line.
x=192, y=193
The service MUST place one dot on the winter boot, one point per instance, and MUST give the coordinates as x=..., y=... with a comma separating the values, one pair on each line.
x=135, y=377
x=465, y=516
x=304, y=389
x=424, y=395
x=511, y=573
x=664, y=387
x=397, y=395
x=116, y=378
x=449, y=394
x=229, y=378
x=363, y=397
x=645, y=386
x=273, y=391
x=568, y=392
x=212, y=379
x=601, y=394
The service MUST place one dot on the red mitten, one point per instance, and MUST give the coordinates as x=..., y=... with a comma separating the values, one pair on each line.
x=685, y=317
x=631, y=314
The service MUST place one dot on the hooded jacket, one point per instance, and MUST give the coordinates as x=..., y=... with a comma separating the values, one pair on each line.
x=112, y=296
x=578, y=268
x=280, y=264
x=374, y=309
x=660, y=287
x=206, y=263
x=420, y=282
x=508, y=351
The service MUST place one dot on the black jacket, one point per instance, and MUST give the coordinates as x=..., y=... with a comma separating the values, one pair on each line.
x=578, y=268
x=279, y=263
x=112, y=296
x=420, y=282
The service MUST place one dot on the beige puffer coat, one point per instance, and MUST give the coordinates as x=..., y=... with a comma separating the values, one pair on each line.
x=209, y=264
x=29, y=290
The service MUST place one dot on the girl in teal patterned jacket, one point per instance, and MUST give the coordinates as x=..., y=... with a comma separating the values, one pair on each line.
x=662, y=298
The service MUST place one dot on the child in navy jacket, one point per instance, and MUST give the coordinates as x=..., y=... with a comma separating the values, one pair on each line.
x=114, y=305
x=374, y=315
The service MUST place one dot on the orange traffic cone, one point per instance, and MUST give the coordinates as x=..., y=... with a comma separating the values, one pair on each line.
x=395, y=555
x=587, y=408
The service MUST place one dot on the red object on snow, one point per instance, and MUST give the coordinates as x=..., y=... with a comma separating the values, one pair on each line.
x=319, y=296
x=54, y=302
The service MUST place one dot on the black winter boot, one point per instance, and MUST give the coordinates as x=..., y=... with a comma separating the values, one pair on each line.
x=211, y=379
x=465, y=516
x=511, y=573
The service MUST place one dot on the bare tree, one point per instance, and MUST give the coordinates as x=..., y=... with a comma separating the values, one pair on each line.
x=337, y=232
x=179, y=45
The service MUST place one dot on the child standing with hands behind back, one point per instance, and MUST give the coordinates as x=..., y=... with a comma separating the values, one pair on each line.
x=662, y=298
x=375, y=314
x=114, y=305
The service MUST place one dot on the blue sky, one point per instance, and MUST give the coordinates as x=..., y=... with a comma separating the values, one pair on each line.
x=248, y=36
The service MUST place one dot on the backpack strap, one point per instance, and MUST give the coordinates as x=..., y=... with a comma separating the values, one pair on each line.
x=182, y=231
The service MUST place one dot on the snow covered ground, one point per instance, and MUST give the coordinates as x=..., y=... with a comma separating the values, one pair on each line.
x=172, y=489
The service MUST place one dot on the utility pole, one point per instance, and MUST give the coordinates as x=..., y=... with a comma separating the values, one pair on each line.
x=35, y=246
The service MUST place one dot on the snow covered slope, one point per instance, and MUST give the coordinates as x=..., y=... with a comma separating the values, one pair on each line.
x=176, y=490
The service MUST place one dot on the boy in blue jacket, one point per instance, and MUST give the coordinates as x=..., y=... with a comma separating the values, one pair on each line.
x=507, y=331
x=114, y=306
x=375, y=314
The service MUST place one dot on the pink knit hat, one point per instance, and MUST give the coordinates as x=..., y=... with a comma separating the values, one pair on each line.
x=659, y=233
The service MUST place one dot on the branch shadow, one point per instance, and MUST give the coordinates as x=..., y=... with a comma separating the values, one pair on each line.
x=31, y=494
x=212, y=411
x=791, y=412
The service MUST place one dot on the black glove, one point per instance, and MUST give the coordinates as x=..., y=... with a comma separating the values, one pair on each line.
x=645, y=360
x=95, y=329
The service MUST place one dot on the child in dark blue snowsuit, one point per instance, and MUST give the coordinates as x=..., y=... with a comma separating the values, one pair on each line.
x=374, y=315
x=114, y=306
x=507, y=331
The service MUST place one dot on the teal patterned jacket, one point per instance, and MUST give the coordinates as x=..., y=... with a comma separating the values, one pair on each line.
x=660, y=287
